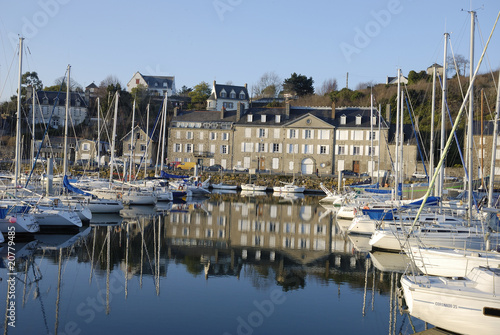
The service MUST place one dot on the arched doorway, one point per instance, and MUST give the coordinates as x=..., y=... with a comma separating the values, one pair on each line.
x=307, y=166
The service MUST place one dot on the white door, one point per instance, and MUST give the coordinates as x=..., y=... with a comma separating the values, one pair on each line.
x=307, y=166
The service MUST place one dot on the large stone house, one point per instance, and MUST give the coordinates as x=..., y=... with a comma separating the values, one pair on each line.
x=283, y=140
x=227, y=96
x=52, y=106
x=156, y=85
x=144, y=147
x=88, y=150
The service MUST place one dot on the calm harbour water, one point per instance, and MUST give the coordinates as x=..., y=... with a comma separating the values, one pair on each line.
x=223, y=265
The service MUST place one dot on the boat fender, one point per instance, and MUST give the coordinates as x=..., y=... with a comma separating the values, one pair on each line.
x=181, y=187
x=12, y=219
x=119, y=195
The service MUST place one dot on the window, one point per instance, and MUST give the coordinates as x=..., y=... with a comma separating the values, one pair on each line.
x=225, y=136
x=292, y=133
x=322, y=149
x=276, y=133
x=143, y=147
x=189, y=135
x=213, y=136
x=233, y=95
x=307, y=133
x=249, y=117
x=356, y=150
x=277, y=118
x=276, y=163
x=261, y=147
x=372, y=135
x=177, y=147
x=242, y=96
x=358, y=120
x=307, y=149
x=276, y=147
x=263, y=118
x=293, y=148
x=189, y=147
x=137, y=81
x=223, y=94
x=343, y=119
x=262, y=132
x=341, y=150
x=86, y=146
x=223, y=149
x=227, y=104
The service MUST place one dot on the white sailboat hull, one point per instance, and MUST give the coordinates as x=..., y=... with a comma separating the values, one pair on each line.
x=22, y=223
x=465, y=306
x=53, y=218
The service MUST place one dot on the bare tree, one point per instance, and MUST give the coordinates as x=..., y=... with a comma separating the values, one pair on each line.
x=111, y=80
x=457, y=65
x=269, y=85
x=362, y=86
x=329, y=85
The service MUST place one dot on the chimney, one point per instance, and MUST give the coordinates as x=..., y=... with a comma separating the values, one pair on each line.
x=239, y=110
x=388, y=113
x=287, y=110
x=222, y=111
x=176, y=109
x=246, y=85
x=333, y=110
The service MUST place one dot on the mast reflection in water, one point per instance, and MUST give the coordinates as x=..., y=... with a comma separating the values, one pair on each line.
x=221, y=265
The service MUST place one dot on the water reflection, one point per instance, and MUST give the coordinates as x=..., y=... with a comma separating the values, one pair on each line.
x=84, y=281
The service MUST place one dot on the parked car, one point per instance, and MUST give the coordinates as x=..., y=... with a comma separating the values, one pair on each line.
x=186, y=166
x=215, y=167
x=240, y=168
x=349, y=173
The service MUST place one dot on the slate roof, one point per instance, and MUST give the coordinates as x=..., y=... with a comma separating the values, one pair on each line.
x=158, y=80
x=228, y=88
x=204, y=116
x=52, y=95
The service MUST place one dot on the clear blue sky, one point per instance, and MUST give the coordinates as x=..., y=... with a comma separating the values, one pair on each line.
x=237, y=40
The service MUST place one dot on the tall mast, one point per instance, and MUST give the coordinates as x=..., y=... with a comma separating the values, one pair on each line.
x=371, y=135
x=98, y=138
x=433, y=114
x=443, y=115
x=401, y=139
x=378, y=154
x=33, y=97
x=494, y=147
x=117, y=96
x=66, y=119
x=396, y=172
x=18, y=126
x=163, y=132
x=132, y=143
x=147, y=143
x=471, y=115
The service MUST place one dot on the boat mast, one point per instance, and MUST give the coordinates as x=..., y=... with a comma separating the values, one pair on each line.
x=396, y=170
x=33, y=126
x=98, y=139
x=18, y=126
x=147, y=143
x=371, y=133
x=378, y=154
x=470, y=134
x=117, y=96
x=494, y=147
x=132, y=143
x=433, y=113
x=163, y=132
x=443, y=118
x=68, y=99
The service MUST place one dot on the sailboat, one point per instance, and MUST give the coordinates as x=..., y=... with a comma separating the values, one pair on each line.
x=470, y=304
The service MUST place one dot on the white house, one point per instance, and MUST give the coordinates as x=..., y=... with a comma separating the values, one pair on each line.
x=227, y=96
x=52, y=106
x=157, y=85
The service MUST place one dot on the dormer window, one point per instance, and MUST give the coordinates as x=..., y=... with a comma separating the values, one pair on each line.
x=232, y=95
x=45, y=101
x=156, y=84
x=342, y=119
x=223, y=94
x=165, y=84
x=277, y=119
x=262, y=118
x=374, y=120
x=249, y=118
x=358, y=120
x=242, y=96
